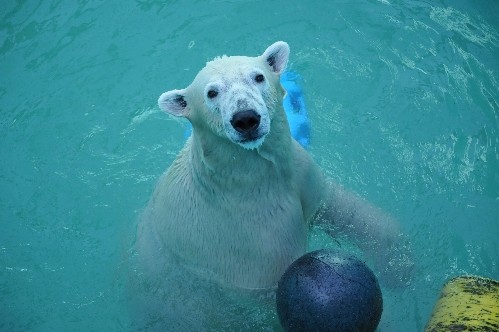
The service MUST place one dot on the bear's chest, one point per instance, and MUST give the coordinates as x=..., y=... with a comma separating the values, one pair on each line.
x=244, y=238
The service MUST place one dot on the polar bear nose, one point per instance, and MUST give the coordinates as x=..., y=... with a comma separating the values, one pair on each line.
x=245, y=121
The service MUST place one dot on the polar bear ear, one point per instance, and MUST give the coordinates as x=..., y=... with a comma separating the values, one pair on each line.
x=276, y=56
x=174, y=102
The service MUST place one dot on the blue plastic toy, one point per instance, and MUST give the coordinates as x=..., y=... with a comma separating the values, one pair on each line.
x=294, y=105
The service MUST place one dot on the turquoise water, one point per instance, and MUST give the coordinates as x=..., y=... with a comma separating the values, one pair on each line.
x=403, y=97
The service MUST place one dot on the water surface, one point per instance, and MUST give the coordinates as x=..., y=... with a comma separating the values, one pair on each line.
x=403, y=98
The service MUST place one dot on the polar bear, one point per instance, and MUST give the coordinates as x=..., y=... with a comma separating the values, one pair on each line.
x=235, y=207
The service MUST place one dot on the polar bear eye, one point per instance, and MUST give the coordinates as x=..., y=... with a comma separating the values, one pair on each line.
x=259, y=78
x=212, y=94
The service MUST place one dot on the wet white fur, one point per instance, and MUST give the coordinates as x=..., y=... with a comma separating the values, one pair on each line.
x=240, y=213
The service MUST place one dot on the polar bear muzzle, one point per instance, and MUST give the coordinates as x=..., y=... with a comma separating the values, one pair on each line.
x=243, y=108
x=247, y=131
x=246, y=122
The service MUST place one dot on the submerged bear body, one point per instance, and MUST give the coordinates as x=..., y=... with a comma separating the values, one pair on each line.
x=234, y=209
x=235, y=202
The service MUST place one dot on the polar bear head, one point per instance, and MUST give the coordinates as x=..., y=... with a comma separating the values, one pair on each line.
x=233, y=97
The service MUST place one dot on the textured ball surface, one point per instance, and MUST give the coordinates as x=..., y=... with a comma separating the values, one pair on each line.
x=326, y=290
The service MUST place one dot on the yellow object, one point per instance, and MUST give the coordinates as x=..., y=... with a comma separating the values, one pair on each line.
x=467, y=303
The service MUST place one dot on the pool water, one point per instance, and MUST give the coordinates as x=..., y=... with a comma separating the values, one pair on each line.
x=403, y=100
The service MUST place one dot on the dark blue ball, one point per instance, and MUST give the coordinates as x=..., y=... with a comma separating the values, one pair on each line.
x=326, y=290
